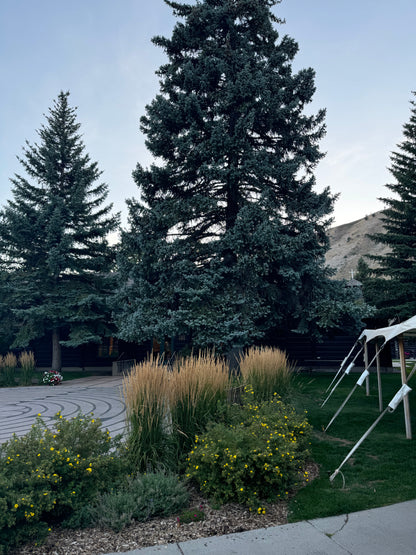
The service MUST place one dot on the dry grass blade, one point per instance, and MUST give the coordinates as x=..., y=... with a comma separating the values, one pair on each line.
x=9, y=361
x=27, y=359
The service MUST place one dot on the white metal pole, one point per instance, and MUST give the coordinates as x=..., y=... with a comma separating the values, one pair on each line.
x=367, y=380
x=343, y=363
x=380, y=393
x=401, y=395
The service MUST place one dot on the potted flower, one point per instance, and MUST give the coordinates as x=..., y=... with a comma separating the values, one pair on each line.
x=52, y=377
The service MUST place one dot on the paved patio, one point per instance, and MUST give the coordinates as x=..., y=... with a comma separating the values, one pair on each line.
x=100, y=395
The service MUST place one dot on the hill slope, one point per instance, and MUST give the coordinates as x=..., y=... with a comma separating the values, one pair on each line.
x=349, y=242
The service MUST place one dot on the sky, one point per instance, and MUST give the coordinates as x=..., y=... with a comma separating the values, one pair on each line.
x=363, y=53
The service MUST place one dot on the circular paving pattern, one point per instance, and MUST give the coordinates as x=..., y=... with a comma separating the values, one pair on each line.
x=99, y=395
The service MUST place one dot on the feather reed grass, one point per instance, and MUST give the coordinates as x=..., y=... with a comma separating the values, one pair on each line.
x=145, y=391
x=167, y=409
x=197, y=394
x=8, y=365
x=267, y=370
x=28, y=365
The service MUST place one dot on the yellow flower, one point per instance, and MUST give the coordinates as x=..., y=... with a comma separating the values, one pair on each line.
x=89, y=469
x=16, y=506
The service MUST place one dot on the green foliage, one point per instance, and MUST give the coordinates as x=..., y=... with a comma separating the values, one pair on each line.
x=53, y=238
x=141, y=498
x=191, y=515
x=392, y=285
x=228, y=239
x=259, y=456
x=49, y=473
x=338, y=306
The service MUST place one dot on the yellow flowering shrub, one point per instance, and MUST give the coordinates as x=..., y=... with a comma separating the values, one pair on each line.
x=259, y=456
x=49, y=473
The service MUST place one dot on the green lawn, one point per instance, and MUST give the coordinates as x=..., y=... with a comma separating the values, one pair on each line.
x=383, y=469
x=37, y=376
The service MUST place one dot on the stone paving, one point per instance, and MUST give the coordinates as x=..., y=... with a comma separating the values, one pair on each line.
x=101, y=395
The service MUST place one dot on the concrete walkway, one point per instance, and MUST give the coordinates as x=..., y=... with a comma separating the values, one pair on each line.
x=385, y=531
x=101, y=395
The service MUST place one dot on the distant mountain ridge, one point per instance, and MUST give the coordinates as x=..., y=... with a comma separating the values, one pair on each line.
x=349, y=242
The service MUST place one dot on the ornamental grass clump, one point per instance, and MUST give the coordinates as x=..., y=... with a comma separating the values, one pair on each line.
x=8, y=366
x=27, y=365
x=260, y=456
x=146, y=394
x=267, y=370
x=198, y=389
x=50, y=473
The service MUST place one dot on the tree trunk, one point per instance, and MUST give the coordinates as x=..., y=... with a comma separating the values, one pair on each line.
x=56, y=351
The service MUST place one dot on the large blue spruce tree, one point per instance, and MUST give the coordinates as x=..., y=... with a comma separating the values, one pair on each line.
x=228, y=237
x=391, y=286
x=54, y=251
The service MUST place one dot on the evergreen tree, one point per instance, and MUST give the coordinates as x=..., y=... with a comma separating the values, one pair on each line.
x=53, y=239
x=228, y=238
x=393, y=286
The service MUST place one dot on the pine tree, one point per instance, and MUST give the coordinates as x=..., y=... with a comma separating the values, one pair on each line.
x=393, y=287
x=228, y=238
x=53, y=239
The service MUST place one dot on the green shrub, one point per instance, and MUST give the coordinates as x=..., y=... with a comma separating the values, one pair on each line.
x=143, y=497
x=259, y=456
x=191, y=515
x=49, y=473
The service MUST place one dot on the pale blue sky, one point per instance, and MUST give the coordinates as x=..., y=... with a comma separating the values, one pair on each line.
x=363, y=52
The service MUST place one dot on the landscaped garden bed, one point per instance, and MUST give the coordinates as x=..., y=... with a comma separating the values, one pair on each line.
x=201, y=467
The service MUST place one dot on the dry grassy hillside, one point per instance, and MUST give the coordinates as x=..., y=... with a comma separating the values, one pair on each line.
x=349, y=242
